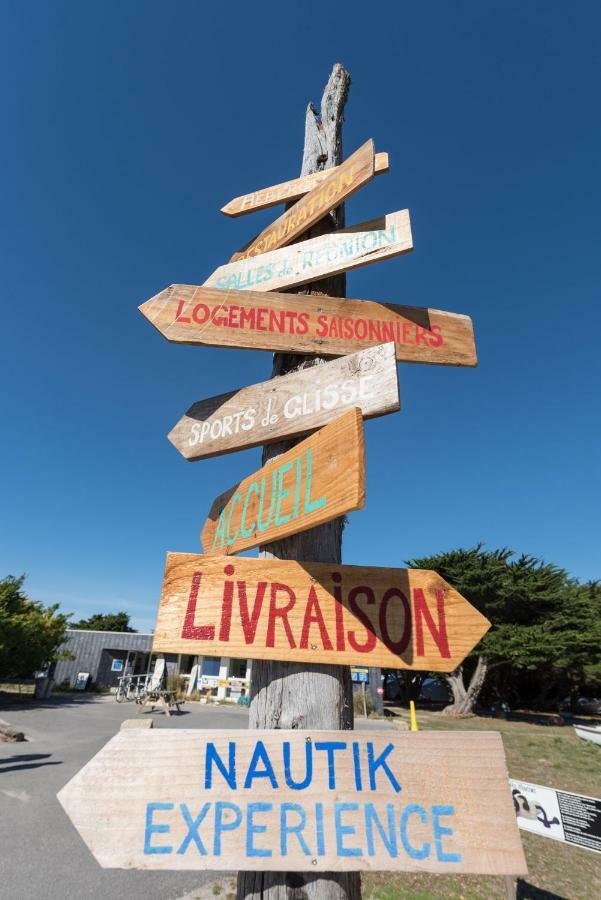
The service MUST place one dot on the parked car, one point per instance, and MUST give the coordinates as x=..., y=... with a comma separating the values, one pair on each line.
x=586, y=706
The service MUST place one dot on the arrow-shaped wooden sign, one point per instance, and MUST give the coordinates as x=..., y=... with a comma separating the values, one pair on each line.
x=291, y=405
x=350, y=248
x=342, y=181
x=297, y=800
x=314, y=613
x=287, y=191
x=321, y=325
x=319, y=479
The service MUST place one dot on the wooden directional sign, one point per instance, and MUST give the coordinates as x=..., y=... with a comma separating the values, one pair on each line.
x=294, y=323
x=295, y=800
x=342, y=181
x=316, y=481
x=291, y=405
x=314, y=612
x=340, y=251
x=287, y=191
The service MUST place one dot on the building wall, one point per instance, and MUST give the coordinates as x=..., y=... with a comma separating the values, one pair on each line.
x=94, y=652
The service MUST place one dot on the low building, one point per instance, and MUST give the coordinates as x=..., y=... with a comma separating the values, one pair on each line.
x=104, y=655
x=107, y=655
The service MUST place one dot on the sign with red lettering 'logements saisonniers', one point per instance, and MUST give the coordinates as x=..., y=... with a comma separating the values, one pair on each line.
x=290, y=405
x=297, y=800
x=319, y=479
x=288, y=191
x=342, y=181
x=314, y=612
x=320, y=325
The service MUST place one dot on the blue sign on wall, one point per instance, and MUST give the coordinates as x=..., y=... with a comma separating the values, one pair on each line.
x=117, y=665
x=360, y=674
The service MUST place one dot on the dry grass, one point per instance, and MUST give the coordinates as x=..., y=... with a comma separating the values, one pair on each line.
x=543, y=754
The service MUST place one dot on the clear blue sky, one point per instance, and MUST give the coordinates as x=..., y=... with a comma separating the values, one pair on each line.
x=126, y=126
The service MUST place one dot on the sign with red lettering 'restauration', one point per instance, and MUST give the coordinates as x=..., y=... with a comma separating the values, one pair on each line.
x=313, y=324
x=342, y=181
x=332, y=253
x=290, y=405
x=296, y=801
x=314, y=612
x=317, y=480
x=288, y=190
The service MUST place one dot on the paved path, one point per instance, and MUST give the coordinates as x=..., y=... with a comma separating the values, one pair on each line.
x=41, y=855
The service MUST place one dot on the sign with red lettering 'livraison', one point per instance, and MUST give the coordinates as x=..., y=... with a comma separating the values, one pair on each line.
x=319, y=479
x=341, y=182
x=298, y=800
x=314, y=612
x=320, y=325
x=290, y=405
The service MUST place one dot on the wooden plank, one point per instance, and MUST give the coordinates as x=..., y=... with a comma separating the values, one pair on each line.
x=317, y=480
x=314, y=613
x=319, y=257
x=294, y=800
x=341, y=182
x=290, y=406
x=288, y=191
x=317, y=324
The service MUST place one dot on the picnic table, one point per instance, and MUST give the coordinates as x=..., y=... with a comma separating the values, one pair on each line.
x=163, y=698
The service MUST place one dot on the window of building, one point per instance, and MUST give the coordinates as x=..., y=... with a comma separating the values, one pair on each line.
x=238, y=668
x=210, y=665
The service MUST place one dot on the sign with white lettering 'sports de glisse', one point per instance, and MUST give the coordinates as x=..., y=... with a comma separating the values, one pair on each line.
x=298, y=800
x=290, y=405
x=314, y=612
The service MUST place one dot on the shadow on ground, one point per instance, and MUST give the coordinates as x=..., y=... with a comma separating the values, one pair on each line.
x=26, y=761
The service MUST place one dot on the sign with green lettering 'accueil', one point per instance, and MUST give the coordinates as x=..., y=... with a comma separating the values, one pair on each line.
x=298, y=800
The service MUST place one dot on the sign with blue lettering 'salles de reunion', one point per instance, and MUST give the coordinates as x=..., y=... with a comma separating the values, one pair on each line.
x=298, y=800
x=317, y=480
x=340, y=251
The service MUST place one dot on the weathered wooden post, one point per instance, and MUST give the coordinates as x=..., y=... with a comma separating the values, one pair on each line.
x=294, y=695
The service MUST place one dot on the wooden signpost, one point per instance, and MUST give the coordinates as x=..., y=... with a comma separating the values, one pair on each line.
x=317, y=480
x=318, y=257
x=290, y=406
x=302, y=798
x=339, y=184
x=314, y=612
x=298, y=800
x=329, y=326
x=288, y=190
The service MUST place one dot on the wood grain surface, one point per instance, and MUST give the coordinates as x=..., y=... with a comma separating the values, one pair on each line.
x=176, y=798
x=314, y=613
x=291, y=405
x=312, y=324
x=340, y=183
x=288, y=191
x=319, y=257
x=317, y=480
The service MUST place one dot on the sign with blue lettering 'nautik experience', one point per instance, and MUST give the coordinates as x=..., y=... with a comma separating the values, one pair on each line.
x=298, y=800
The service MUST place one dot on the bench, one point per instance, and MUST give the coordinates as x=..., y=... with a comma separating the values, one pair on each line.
x=165, y=699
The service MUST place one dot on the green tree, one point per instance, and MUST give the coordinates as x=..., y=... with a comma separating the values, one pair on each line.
x=574, y=632
x=105, y=622
x=30, y=633
x=522, y=598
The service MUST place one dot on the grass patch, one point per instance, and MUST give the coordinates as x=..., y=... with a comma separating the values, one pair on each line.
x=543, y=754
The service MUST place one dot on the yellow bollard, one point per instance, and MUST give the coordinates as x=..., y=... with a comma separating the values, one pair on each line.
x=413, y=716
